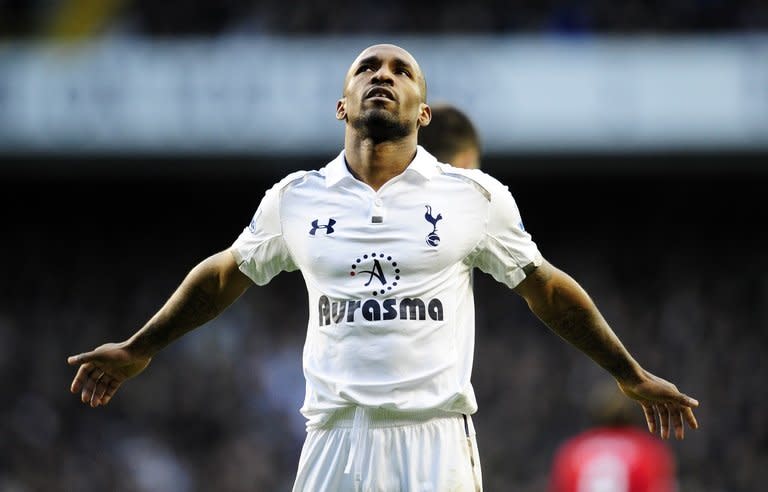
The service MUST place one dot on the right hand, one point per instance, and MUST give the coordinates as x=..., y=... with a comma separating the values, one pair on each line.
x=103, y=370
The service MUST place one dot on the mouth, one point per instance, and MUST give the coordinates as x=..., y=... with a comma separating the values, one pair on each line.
x=380, y=92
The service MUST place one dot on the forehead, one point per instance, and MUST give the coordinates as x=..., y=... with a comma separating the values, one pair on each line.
x=385, y=52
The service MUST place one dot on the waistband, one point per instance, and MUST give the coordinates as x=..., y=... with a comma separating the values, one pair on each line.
x=381, y=417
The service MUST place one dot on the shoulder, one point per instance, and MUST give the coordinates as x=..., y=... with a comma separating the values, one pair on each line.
x=501, y=205
x=484, y=183
x=293, y=179
x=317, y=178
x=275, y=195
x=297, y=180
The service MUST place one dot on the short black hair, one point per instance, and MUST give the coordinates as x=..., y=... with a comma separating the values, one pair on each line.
x=449, y=133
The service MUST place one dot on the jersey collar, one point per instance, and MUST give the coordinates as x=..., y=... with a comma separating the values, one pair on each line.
x=425, y=164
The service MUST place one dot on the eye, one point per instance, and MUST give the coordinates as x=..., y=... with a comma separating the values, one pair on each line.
x=363, y=68
x=403, y=71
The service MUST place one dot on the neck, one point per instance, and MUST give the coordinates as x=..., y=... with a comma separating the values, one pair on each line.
x=375, y=163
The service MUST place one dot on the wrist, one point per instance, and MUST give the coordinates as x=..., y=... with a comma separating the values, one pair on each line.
x=139, y=347
x=630, y=374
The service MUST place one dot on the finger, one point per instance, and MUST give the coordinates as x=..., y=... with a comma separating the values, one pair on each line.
x=111, y=389
x=103, y=388
x=74, y=360
x=650, y=417
x=90, y=384
x=663, y=412
x=676, y=419
x=686, y=400
x=690, y=418
x=99, y=389
x=80, y=377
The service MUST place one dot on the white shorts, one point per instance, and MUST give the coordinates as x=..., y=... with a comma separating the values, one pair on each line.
x=376, y=450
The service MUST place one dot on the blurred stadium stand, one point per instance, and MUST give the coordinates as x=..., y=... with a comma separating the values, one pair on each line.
x=137, y=137
x=527, y=95
x=216, y=17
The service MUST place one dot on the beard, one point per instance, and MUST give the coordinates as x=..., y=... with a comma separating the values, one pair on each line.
x=380, y=126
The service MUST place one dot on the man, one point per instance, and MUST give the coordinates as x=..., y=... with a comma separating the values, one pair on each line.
x=386, y=238
x=451, y=137
x=613, y=455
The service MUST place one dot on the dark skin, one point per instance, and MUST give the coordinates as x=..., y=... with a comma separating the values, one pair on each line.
x=401, y=99
x=383, y=104
x=566, y=308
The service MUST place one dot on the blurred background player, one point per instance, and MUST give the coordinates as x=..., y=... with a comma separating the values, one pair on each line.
x=451, y=137
x=615, y=455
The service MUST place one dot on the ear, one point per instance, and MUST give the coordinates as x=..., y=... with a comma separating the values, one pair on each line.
x=341, y=110
x=425, y=115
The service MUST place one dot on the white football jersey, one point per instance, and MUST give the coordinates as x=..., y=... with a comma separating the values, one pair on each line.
x=388, y=276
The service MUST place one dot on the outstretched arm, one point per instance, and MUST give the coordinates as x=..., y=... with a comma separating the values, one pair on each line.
x=563, y=305
x=208, y=289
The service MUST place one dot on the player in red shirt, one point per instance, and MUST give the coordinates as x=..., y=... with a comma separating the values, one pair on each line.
x=614, y=456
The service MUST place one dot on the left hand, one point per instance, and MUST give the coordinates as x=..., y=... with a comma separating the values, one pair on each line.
x=659, y=397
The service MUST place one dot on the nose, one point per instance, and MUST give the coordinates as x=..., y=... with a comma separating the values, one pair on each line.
x=383, y=74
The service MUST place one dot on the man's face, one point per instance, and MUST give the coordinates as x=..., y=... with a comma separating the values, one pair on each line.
x=384, y=94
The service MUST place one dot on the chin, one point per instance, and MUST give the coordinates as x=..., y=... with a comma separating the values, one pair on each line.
x=378, y=113
x=380, y=125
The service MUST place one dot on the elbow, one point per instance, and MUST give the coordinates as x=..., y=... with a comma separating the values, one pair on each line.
x=559, y=296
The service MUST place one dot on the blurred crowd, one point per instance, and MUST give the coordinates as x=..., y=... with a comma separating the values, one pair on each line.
x=217, y=17
x=218, y=410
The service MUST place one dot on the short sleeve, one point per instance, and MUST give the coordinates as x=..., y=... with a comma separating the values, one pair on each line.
x=260, y=250
x=506, y=251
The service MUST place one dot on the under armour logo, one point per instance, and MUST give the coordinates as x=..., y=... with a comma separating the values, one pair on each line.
x=328, y=227
x=432, y=238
